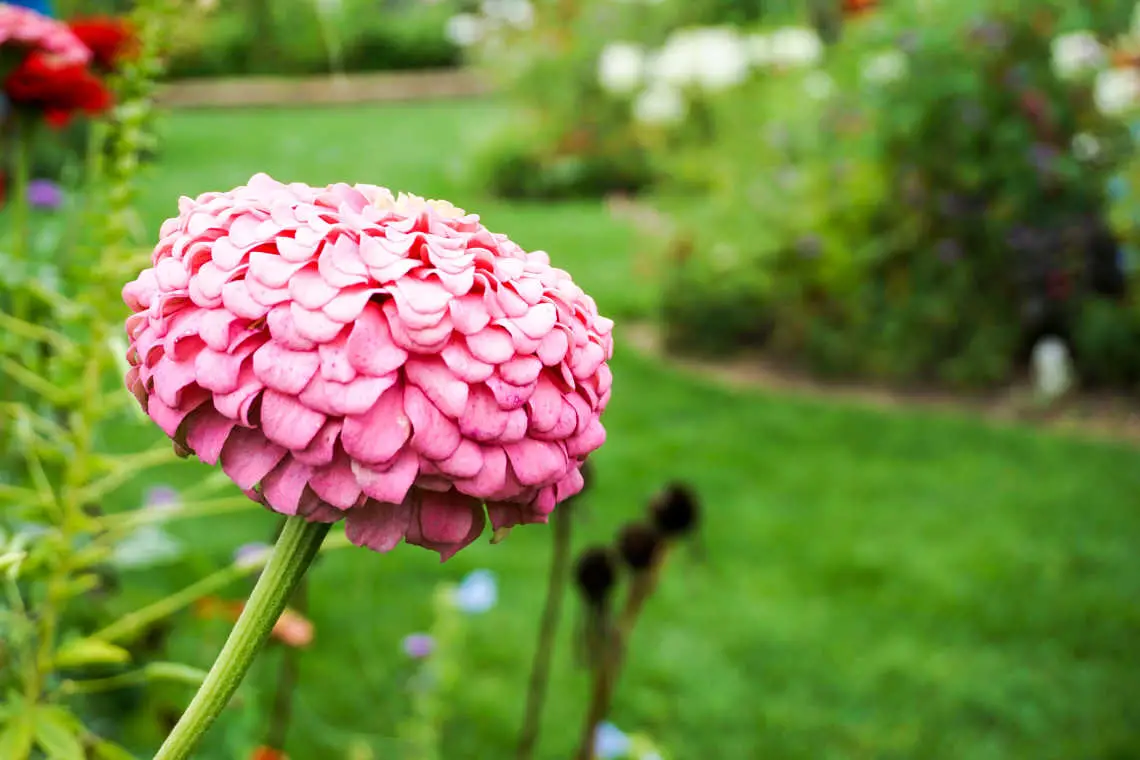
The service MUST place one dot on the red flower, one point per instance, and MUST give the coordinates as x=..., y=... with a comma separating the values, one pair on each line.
x=268, y=753
x=110, y=39
x=855, y=7
x=57, y=90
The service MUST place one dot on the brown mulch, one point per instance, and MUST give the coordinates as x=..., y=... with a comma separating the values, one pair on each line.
x=1098, y=416
x=377, y=87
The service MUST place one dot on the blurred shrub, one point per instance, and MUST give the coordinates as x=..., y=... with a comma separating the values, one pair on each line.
x=923, y=205
x=303, y=37
x=554, y=62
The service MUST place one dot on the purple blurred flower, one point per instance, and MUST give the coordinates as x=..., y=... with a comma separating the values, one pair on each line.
x=162, y=498
x=971, y=113
x=252, y=555
x=1043, y=157
x=43, y=193
x=989, y=33
x=418, y=645
x=952, y=205
x=908, y=42
x=948, y=250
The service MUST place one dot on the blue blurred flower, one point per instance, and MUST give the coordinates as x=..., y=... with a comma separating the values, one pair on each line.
x=610, y=742
x=43, y=7
x=146, y=547
x=418, y=645
x=477, y=593
x=1134, y=130
x=43, y=193
x=1118, y=186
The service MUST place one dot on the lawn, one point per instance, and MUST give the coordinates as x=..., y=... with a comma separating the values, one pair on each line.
x=873, y=585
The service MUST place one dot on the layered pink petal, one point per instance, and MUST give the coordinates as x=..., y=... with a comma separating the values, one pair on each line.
x=346, y=353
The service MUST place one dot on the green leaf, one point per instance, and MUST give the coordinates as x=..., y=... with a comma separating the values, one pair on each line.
x=79, y=652
x=56, y=731
x=105, y=750
x=16, y=738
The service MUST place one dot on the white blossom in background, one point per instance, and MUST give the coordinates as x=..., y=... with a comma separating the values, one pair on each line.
x=1116, y=90
x=818, y=85
x=516, y=13
x=710, y=58
x=464, y=29
x=147, y=546
x=796, y=46
x=621, y=67
x=760, y=49
x=1052, y=368
x=1085, y=146
x=1076, y=54
x=885, y=67
x=659, y=105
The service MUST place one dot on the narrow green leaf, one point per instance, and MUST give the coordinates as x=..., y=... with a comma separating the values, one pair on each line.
x=16, y=738
x=105, y=750
x=56, y=731
x=79, y=652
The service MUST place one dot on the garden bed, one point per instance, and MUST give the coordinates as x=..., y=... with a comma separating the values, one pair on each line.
x=322, y=90
x=1104, y=415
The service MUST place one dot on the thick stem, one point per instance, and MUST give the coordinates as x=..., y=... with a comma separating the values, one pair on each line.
x=282, y=713
x=295, y=550
x=540, y=670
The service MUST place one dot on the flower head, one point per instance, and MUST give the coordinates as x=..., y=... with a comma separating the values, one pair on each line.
x=620, y=67
x=43, y=193
x=660, y=104
x=1076, y=54
x=418, y=645
x=109, y=39
x=345, y=353
x=1116, y=91
x=611, y=742
x=254, y=555
x=40, y=33
x=477, y=593
x=795, y=46
x=58, y=90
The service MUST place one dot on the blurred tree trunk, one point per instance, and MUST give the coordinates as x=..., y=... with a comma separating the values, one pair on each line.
x=259, y=16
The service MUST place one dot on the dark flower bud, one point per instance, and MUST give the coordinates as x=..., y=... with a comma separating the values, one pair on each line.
x=675, y=511
x=639, y=545
x=596, y=573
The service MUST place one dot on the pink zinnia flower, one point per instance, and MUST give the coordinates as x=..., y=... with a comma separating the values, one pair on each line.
x=346, y=353
x=26, y=28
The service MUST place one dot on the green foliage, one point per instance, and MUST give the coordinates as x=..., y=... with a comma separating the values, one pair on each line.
x=300, y=37
x=925, y=217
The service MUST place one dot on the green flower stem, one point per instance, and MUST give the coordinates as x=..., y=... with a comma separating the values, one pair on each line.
x=543, y=653
x=294, y=552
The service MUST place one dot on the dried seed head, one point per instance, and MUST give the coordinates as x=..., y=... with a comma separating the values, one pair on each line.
x=596, y=574
x=675, y=511
x=639, y=545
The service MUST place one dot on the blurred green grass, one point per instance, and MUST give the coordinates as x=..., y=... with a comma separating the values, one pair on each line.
x=875, y=584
